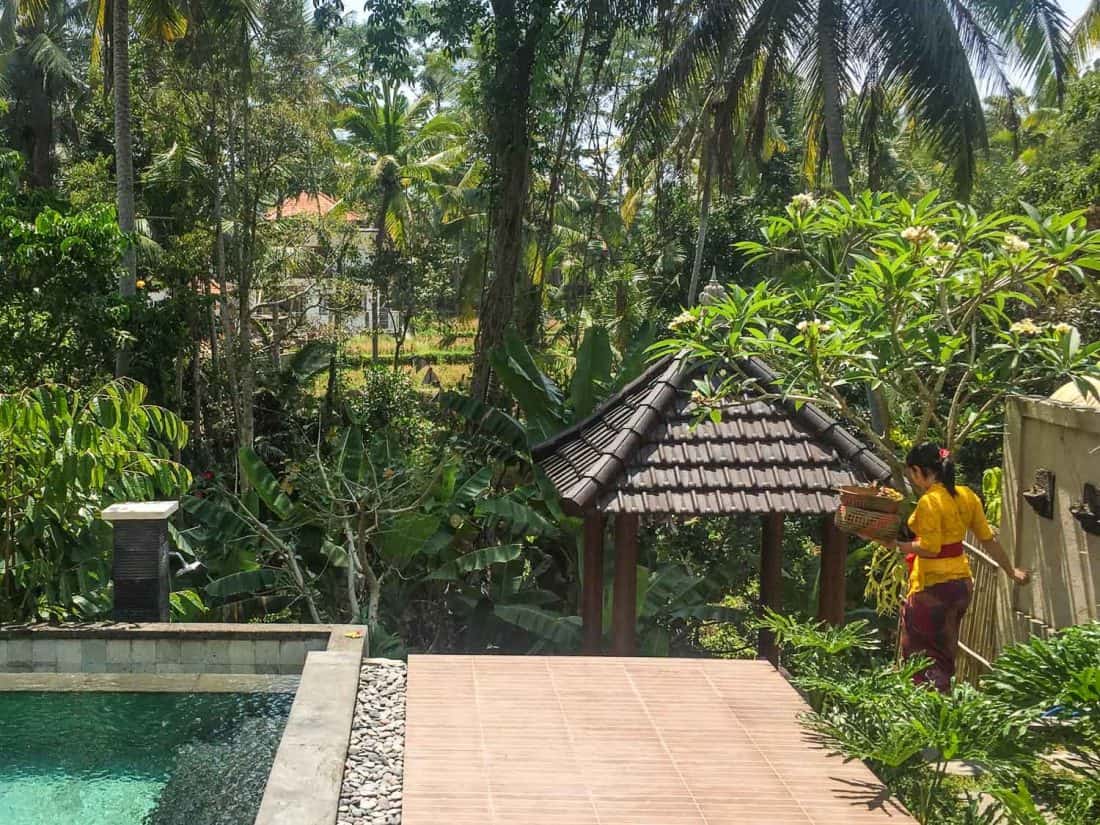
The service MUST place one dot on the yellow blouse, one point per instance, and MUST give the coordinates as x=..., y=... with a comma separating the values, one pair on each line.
x=941, y=518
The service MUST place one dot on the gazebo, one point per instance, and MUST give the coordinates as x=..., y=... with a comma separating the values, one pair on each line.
x=643, y=452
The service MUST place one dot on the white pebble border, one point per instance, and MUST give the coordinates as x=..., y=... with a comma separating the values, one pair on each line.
x=371, y=793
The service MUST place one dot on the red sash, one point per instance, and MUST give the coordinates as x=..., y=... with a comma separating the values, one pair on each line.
x=947, y=551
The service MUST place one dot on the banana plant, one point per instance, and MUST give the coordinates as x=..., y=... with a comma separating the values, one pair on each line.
x=65, y=454
x=544, y=408
x=357, y=535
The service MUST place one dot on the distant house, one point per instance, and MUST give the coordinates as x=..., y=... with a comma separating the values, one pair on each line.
x=312, y=300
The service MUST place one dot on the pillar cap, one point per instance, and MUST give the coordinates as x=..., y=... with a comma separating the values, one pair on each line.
x=140, y=511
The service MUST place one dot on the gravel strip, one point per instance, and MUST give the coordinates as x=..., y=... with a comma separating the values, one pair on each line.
x=371, y=794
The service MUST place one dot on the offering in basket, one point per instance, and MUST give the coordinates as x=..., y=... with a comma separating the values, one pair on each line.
x=870, y=512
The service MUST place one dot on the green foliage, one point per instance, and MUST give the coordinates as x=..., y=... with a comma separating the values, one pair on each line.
x=1061, y=672
x=993, y=494
x=593, y=369
x=1063, y=171
x=389, y=403
x=910, y=301
x=909, y=734
x=60, y=319
x=65, y=455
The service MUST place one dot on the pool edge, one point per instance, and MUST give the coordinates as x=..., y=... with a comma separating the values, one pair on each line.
x=304, y=784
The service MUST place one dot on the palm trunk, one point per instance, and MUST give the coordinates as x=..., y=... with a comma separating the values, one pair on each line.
x=828, y=27
x=198, y=430
x=704, y=217
x=124, y=158
x=509, y=106
x=556, y=173
x=41, y=116
x=380, y=238
x=229, y=334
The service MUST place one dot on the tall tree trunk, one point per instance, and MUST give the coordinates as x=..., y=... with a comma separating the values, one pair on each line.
x=509, y=104
x=198, y=430
x=566, y=138
x=704, y=218
x=829, y=27
x=124, y=159
x=229, y=334
x=41, y=123
x=246, y=245
x=381, y=238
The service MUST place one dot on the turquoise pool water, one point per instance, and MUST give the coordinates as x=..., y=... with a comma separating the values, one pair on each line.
x=136, y=758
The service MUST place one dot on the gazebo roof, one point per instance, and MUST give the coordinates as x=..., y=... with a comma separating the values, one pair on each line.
x=641, y=452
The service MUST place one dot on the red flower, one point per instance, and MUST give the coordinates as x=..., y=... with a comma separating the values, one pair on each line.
x=208, y=476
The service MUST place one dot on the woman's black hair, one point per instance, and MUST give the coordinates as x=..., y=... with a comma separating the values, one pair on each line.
x=932, y=458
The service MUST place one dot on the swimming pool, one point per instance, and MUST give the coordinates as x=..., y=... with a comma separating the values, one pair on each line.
x=136, y=758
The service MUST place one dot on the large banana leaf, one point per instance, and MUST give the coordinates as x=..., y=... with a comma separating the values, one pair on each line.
x=309, y=360
x=263, y=481
x=473, y=488
x=491, y=421
x=537, y=395
x=351, y=461
x=636, y=356
x=520, y=518
x=406, y=535
x=246, y=581
x=560, y=631
x=592, y=375
x=477, y=560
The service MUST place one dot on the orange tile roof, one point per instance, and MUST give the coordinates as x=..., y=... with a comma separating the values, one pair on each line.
x=308, y=204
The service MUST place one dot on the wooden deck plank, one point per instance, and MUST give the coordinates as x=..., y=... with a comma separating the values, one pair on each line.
x=620, y=741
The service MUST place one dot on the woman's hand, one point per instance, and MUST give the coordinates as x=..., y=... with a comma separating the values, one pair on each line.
x=1020, y=576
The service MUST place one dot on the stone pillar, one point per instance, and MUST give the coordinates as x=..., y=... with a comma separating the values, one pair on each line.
x=140, y=566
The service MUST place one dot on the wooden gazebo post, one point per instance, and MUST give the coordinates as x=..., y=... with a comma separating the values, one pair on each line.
x=832, y=582
x=771, y=579
x=592, y=585
x=624, y=608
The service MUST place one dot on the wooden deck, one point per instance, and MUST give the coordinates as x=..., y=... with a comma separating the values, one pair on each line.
x=603, y=741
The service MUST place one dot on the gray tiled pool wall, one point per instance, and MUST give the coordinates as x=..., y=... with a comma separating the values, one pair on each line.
x=159, y=648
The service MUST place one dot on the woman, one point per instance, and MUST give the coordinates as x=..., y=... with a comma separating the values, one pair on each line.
x=940, y=585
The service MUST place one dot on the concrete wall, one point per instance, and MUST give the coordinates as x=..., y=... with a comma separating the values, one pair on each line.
x=161, y=648
x=1065, y=439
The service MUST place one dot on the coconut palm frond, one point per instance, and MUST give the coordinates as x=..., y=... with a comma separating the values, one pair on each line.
x=653, y=112
x=160, y=20
x=921, y=54
x=177, y=163
x=46, y=53
x=1038, y=34
x=1085, y=36
x=987, y=53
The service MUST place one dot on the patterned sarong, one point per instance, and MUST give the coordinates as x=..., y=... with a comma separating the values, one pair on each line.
x=930, y=626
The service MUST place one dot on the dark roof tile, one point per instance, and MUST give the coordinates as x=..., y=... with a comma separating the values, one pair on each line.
x=644, y=451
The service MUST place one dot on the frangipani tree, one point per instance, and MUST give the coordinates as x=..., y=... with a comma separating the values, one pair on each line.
x=920, y=302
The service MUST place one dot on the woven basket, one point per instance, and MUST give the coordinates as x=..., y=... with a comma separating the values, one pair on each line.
x=877, y=499
x=857, y=521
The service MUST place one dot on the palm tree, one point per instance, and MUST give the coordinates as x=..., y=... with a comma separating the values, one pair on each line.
x=1086, y=34
x=35, y=70
x=929, y=53
x=157, y=19
x=398, y=143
